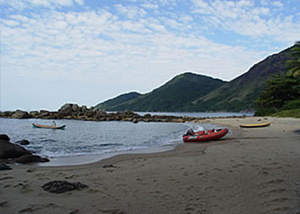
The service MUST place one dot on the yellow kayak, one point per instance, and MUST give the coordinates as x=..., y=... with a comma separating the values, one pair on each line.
x=258, y=125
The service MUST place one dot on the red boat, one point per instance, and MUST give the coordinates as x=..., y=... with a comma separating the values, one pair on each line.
x=208, y=135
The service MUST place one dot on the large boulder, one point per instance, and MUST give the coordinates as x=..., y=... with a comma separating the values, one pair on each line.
x=31, y=159
x=4, y=137
x=66, y=109
x=10, y=150
x=19, y=114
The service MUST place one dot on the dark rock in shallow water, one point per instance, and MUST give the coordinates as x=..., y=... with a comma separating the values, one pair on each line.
x=23, y=142
x=31, y=159
x=10, y=150
x=3, y=166
x=4, y=137
x=63, y=186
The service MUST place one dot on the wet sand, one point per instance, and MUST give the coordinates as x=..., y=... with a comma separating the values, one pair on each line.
x=249, y=171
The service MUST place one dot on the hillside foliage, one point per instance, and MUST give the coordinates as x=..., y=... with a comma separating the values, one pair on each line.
x=273, y=82
x=282, y=92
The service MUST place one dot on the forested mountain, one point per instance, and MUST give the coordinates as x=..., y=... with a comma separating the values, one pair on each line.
x=175, y=95
x=192, y=92
x=240, y=93
x=114, y=102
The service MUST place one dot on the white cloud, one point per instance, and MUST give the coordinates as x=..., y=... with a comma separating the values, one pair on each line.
x=25, y=4
x=130, y=12
x=101, y=53
x=245, y=18
x=150, y=5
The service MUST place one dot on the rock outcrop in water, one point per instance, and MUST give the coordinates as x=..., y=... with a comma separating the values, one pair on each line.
x=76, y=112
x=31, y=159
x=11, y=150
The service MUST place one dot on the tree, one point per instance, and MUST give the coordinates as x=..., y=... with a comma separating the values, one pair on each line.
x=294, y=65
x=283, y=91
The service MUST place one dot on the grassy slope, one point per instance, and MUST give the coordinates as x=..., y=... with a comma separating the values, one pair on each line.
x=288, y=113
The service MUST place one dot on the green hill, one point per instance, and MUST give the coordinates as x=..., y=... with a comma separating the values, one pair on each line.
x=112, y=103
x=240, y=93
x=192, y=92
x=172, y=96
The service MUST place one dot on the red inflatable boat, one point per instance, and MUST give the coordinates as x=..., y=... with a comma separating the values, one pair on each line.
x=213, y=134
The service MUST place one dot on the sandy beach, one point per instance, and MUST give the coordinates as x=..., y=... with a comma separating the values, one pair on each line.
x=249, y=171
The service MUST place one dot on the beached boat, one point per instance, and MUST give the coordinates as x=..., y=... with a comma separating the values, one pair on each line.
x=257, y=125
x=208, y=135
x=35, y=125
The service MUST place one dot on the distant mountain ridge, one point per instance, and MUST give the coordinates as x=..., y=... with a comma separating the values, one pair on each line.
x=240, y=93
x=193, y=92
x=172, y=96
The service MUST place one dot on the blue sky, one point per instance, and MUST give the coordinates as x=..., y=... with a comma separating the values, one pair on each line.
x=86, y=51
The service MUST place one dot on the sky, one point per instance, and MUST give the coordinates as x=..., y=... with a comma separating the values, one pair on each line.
x=87, y=51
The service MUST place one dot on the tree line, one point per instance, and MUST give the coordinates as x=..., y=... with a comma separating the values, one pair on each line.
x=282, y=92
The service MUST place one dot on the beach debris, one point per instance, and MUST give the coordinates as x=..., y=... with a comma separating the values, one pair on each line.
x=31, y=159
x=3, y=166
x=63, y=186
x=3, y=203
x=30, y=170
x=108, y=165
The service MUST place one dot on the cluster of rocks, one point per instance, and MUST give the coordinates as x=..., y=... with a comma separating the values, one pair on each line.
x=63, y=186
x=13, y=152
x=74, y=111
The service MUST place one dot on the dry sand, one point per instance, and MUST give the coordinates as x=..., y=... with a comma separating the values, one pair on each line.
x=249, y=171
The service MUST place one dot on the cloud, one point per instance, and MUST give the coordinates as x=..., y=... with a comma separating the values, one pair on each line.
x=29, y=4
x=247, y=19
x=130, y=12
x=101, y=52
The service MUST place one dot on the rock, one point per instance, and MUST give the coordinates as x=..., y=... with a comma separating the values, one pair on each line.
x=6, y=113
x=63, y=186
x=66, y=109
x=34, y=113
x=23, y=142
x=19, y=114
x=10, y=150
x=135, y=120
x=4, y=137
x=31, y=159
x=3, y=166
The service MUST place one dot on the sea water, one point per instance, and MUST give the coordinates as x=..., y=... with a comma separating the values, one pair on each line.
x=87, y=139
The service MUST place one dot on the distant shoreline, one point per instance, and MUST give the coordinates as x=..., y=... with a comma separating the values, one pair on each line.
x=73, y=111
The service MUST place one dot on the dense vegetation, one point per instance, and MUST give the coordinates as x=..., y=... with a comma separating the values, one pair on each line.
x=175, y=95
x=281, y=96
x=112, y=103
x=240, y=93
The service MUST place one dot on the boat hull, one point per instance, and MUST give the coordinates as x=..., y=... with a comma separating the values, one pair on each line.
x=34, y=125
x=205, y=136
x=258, y=125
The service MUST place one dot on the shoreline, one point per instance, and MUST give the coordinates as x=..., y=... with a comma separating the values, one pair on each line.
x=89, y=159
x=250, y=171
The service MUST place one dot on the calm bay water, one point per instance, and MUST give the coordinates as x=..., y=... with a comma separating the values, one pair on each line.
x=100, y=139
